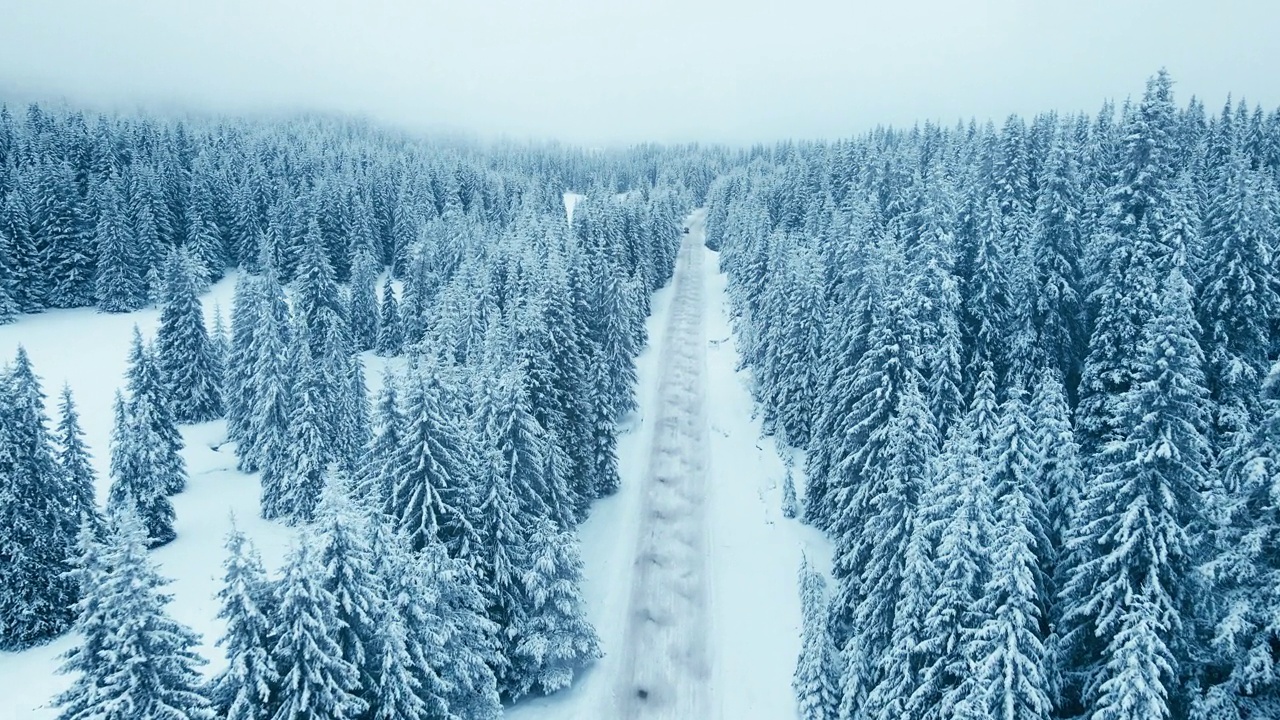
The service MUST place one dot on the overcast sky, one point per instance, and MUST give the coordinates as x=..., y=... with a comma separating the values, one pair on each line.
x=604, y=72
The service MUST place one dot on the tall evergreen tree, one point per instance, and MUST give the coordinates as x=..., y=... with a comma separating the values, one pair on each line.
x=1245, y=570
x=347, y=573
x=429, y=473
x=1133, y=536
x=316, y=681
x=1239, y=302
x=139, y=480
x=135, y=661
x=390, y=337
x=555, y=640
x=248, y=688
x=817, y=676
x=118, y=285
x=73, y=460
x=184, y=353
x=362, y=307
x=37, y=537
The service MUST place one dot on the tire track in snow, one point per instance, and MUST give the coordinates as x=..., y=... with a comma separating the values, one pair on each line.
x=666, y=669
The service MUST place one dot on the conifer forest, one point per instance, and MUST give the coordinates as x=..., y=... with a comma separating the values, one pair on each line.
x=313, y=418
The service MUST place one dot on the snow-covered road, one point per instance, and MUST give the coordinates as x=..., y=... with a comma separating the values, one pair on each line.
x=665, y=670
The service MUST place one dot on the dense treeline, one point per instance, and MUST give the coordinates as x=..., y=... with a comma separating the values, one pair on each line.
x=441, y=572
x=1034, y=369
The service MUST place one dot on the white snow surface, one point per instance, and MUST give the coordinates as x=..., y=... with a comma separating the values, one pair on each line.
x=726, y=651
x=570, y=201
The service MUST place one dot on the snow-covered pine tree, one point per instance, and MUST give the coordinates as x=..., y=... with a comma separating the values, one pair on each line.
x=118, y=284
x=554, y=639
x=316, y=299
x=1008, y=650
x=354, y=426
x=1133, y=579
x=206, y=253
x=817, y=675
x=268, y=438
x=428, y=472
x=37, y=530
x=1239, y=301
x=347, y=573
x=884, y=582
x=247, y=689
x=790, y=506
x=501, y=555
x=390, y=336
x=362, y=305
x=373, y=482
x=73, y=460
x=471, y=644
x=956, y=517
x=409, y=657
x=1128, y=256
x=9, y=278
x=135, y=661
x=1246, y=575
x=183, y=353
x=30, y=273
x=237, y=373
x=60, y=228
x=140, y=480
x=146, y=387
x=301, y=477
x=316, y=681
x=523, y=445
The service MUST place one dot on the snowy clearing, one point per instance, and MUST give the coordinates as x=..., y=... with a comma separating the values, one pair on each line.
x=88, y=350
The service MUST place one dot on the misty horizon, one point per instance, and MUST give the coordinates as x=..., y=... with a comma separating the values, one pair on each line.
x=602, y=75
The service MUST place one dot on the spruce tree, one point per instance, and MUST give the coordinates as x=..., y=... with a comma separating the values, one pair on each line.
x=316, y=681
x=790, y=507
x=136, y=661
x=1132, y=539
x=30, y=271
x=118, y=285
x=362, y=307
x=248, y=688
x=184, y=354
x=146, y=388
x=1245, y=571
x=37, y=537
x=347, y=573
x=1008, y=647
x=816, y=679
x=554, y=640
x=428, y=472
x=1239, y=302
x=73, y=460
x=409, y=658
x=883, y=578
x=268, y=439
x=9, y=278
x=238, y=362
x=139, y=480
x=390, y=337
x=957, y=518
x=374, y=481
x=61, y=230
x=306, y=458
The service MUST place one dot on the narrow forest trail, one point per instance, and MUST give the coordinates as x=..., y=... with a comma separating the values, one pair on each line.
x=666, y=666
x=690, y=568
